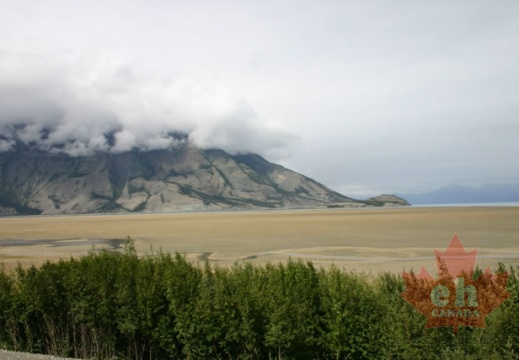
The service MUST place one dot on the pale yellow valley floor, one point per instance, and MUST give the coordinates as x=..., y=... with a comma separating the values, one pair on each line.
x=370, y=240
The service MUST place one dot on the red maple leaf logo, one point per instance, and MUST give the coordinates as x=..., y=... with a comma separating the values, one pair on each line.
x=455, y=299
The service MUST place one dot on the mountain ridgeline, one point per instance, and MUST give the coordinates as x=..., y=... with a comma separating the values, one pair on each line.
x=463, y=194
x=185, y=178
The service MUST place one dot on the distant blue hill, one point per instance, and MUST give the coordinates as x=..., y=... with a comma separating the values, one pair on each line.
x=461, y=194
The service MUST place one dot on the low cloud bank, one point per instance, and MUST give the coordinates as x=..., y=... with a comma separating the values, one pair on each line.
x=80, y=108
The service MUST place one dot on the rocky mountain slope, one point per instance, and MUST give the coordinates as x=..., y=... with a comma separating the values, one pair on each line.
x=182, y=179
x=387, y=200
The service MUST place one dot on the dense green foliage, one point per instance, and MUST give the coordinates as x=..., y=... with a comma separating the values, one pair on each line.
x=163, y=307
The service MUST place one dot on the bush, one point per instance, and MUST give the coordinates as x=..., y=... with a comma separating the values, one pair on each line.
x=163, y=307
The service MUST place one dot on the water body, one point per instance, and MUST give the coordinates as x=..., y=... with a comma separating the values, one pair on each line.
x=489, y=204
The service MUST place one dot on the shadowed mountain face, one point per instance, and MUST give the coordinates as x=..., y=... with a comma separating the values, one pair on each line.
x=182, y=179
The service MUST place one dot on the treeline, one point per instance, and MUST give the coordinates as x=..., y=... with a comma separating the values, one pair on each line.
x=108, y=305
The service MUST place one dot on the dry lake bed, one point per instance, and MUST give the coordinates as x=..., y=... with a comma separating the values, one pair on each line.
x=370, y=240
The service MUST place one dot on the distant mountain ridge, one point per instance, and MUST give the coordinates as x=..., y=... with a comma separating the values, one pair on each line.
x=184, y=178
x=462, y=194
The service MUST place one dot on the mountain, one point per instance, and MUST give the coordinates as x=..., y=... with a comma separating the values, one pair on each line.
x=387, y=200
x=181, y=179
x=461, y=194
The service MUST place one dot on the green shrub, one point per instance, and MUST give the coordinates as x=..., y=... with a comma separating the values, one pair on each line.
x=163, y=307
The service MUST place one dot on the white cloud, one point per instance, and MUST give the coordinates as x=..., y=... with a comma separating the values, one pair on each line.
x=6, y=145
x=394, y=96
x=138, y=110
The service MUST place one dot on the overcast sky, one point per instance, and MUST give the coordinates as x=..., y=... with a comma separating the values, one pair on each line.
x=366, y=97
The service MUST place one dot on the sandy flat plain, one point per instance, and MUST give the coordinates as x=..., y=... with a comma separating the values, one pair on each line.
x=370, y=240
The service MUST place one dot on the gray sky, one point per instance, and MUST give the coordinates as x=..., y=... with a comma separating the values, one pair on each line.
x=364, y=96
